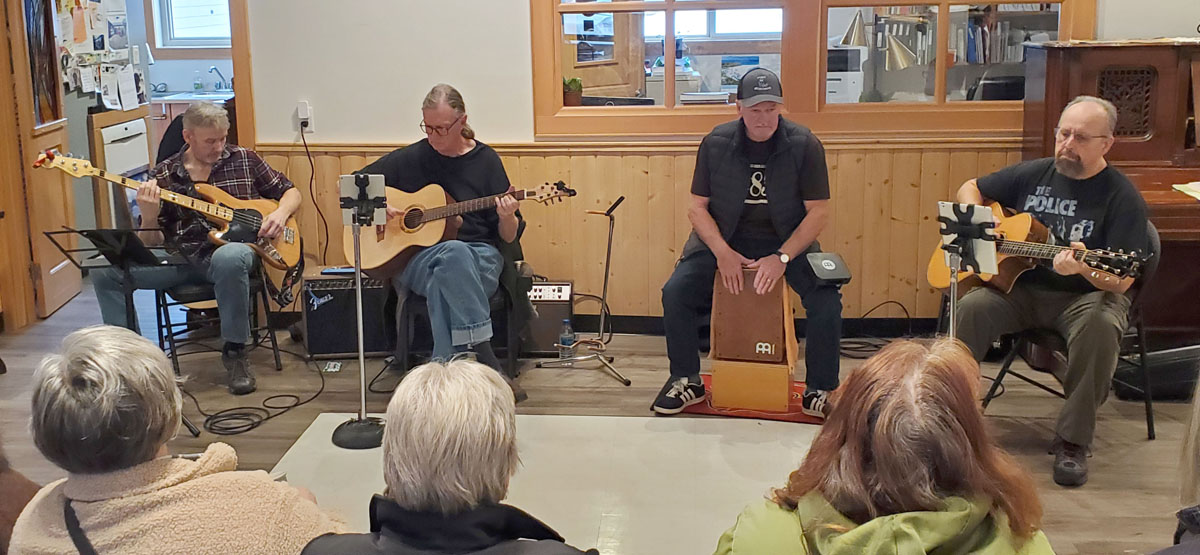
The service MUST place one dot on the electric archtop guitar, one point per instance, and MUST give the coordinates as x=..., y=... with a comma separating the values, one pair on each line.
x=429, y=217
x=237, y=220
x=1021, y=242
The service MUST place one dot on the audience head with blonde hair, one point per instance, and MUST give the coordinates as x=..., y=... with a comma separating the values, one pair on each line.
x=108, y=400
x=906, y=433
x=450, y=442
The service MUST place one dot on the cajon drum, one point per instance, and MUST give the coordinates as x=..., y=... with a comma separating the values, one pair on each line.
x=753, y=347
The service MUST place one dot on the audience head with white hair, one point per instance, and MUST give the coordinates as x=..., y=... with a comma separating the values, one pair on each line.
x=449, y=451
x=104, y=407
x=450, y=441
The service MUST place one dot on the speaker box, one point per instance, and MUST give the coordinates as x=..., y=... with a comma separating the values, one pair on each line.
x=330, y=317
x=552, y=300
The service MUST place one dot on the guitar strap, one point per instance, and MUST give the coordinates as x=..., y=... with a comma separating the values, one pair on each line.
x=284, y=294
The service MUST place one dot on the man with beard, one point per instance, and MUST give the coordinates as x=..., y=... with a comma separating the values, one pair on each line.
x=1085, y=201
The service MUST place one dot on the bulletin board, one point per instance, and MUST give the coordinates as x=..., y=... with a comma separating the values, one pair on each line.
x=95, y=56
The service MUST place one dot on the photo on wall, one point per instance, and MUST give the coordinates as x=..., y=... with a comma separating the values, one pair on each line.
x=733, y=68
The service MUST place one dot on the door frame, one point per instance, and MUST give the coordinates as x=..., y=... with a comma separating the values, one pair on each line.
x=20, y=138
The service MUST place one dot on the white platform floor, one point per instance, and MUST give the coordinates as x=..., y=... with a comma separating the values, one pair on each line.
x=624, y=485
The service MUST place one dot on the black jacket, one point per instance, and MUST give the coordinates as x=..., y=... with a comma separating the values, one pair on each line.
x=485, y=530
x=797, y=155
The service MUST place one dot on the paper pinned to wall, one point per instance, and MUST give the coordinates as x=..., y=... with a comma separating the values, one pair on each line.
x=108, y=86
x=118, y=37
x=87, y=79
x=127, y=88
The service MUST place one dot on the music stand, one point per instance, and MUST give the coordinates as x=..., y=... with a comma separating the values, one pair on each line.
x=122, y=249
x=970, y=245
x=597, y=345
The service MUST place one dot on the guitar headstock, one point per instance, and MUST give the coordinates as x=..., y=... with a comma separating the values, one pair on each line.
x=547, y=193
x=1119, y=263
x=74, y=166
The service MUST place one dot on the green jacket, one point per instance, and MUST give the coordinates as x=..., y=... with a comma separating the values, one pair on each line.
x=815, y=526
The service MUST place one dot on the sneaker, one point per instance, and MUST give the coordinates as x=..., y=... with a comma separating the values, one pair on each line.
x=815, y=403
x=241, y=378
x=678, y=394
x=1070, y=463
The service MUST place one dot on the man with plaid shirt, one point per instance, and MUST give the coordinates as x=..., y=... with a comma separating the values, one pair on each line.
x=205, y=158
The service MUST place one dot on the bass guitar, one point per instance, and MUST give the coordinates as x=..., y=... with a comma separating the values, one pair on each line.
x=429, y=216
x=1021, y=241
x=237, y=221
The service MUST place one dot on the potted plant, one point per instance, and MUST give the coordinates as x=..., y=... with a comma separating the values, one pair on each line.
x=572, y=92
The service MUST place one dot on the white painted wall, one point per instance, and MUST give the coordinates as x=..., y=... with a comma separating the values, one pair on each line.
x=364, y=66
x=1147, y=19
x=179, y=75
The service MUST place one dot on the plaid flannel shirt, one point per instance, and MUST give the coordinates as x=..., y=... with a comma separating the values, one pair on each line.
x=239, y=172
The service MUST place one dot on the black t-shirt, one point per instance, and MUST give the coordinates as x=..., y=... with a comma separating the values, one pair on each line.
x=478, y=173
x=756, y=214
x=1104, y=211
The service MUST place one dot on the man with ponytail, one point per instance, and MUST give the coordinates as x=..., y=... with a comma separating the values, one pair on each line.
x=457, y=277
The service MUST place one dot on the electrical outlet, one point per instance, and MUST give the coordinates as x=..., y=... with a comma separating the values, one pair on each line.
x=304, y=117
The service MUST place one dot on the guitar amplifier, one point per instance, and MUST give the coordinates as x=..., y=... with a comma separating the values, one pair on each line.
x=552, y=300
x=330, y=317
x=748, y=326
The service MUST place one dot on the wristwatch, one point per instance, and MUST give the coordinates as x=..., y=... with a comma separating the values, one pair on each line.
x=783, y=257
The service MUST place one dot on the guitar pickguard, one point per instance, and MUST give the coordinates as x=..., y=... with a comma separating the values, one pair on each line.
x=240, y=229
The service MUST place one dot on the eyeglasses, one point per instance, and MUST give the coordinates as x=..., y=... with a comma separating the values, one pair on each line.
x=439, y=131
x=1064, y=135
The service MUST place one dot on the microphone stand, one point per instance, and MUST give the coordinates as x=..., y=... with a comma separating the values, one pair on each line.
x=598, y=344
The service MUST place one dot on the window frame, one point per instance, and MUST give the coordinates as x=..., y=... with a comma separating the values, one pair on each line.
x=180, y=49
x=803, y=65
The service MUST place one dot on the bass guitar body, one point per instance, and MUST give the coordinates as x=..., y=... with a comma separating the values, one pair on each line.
x=1016, y=227
x=282, y=252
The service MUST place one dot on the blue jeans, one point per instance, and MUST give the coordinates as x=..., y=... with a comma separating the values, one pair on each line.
x=228, y=271
x=456, y=279
x=688, y=293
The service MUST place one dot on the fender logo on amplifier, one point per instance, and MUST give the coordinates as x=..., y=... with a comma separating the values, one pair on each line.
x=315, y=302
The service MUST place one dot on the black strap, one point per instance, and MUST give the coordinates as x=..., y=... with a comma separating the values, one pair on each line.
x=77, y=536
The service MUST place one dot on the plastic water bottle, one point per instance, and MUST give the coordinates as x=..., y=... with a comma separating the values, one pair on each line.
x=566, y=341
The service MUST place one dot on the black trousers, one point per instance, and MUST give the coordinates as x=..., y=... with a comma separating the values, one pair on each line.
x=687, y=296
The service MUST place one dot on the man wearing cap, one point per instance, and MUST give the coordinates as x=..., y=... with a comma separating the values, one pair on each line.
x=760, y=196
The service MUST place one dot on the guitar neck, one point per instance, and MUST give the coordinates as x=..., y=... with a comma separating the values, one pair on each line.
x=208, y=208
x=1036, y=250
x=467, y=206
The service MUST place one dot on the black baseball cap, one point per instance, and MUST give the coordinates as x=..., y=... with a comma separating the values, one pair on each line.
x=759, y=85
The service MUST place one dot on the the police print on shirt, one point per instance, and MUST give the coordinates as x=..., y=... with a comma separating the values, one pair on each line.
x=1058, y=214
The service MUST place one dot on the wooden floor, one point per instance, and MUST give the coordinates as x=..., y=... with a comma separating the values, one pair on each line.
x=1127, y=507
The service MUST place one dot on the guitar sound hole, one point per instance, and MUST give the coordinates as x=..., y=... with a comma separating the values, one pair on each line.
x=412, y=218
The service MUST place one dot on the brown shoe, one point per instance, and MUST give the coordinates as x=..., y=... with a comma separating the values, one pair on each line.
x=1070, y=463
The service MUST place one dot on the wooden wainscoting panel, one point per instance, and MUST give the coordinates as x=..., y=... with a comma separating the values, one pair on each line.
x=883, y=217
x=876, y=224
x=935, y=186
x=849, y=189
x=905, y=213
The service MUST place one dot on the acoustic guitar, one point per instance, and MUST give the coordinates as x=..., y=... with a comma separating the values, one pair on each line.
x=429, y=216
x=237, y=220
x=1021, y=242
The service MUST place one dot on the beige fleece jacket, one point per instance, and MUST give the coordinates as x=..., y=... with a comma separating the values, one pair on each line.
x=174, y=506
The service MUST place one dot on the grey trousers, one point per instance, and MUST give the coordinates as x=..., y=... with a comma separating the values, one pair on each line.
x=1092, y=323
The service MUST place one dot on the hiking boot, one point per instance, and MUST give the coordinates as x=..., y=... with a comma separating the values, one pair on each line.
x=815, y=403
x=241, y=378
x=1070, y=463
x=678, y=394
